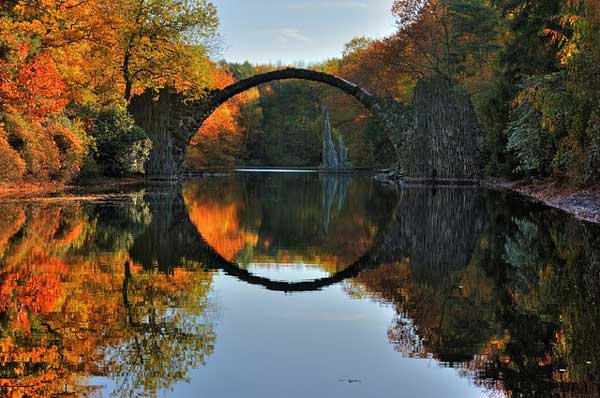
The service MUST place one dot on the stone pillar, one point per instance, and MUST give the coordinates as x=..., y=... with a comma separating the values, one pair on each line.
x=342, y=151
x=444, y=142
x=170, y=122
x=154, y=114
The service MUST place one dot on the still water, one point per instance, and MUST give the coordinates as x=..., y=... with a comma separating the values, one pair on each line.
x=297, y=285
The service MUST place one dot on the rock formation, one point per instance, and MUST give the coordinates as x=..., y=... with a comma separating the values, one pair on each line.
x=333, y=158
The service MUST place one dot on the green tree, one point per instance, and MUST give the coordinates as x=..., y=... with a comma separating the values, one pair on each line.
x=120, y=146
x=161, y=41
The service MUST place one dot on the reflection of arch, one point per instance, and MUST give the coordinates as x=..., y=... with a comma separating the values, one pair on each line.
x=172, y=237
x=212, y=259
x=423, y=227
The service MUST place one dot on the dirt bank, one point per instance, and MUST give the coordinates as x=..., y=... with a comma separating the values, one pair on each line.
x=28, y=189
x=583, y=203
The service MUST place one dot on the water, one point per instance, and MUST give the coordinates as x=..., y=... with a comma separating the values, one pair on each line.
x=294, y=285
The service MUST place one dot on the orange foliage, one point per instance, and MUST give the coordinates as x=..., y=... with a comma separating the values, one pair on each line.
x=32, y=92
x=12, y=166
x=32, y=87
x=222, y=134
x=37, y=148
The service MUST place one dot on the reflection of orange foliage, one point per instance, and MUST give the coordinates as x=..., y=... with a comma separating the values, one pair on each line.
x=32, y=290
x=229, y=224
x=388, y=281
x=60, y=312
x=219, y=226
x=23, y=360
x=11, y=222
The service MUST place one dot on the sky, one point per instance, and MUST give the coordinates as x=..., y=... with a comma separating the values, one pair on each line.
x=290, y=31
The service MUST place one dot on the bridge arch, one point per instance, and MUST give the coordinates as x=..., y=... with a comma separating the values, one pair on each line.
x=173, y=121
x=219, y=97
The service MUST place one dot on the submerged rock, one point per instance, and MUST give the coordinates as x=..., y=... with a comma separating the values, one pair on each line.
x=391, y=177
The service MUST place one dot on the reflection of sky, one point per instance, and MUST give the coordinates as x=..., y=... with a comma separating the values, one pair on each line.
x=263, y=31
x=308, y=345
x=294, y=171
x=295, y=272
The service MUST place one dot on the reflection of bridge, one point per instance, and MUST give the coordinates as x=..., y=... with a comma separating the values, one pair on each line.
x=424, y=227
x=212, y=259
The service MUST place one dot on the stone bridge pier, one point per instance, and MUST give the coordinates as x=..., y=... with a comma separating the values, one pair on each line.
x=172, y=121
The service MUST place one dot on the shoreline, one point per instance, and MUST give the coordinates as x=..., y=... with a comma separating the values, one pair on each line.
x=25, y=189
x=581, y=203
x=35, y=190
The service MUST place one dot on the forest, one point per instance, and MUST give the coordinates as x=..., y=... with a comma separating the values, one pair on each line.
x=68, y=69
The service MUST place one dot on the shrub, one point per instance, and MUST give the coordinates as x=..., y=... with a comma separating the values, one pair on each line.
x=121, y=147
x=592, y=169
x=527, y=141
x=72, y=143
x=35, y=146
x=12, y=166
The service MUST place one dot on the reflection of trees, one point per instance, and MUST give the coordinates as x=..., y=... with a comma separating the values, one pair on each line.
x=553, y=284
x=280, y=218
x=431, y=277
x=63, y=316
x=437, y=228
x=517, y=310
x=165, y=335
x=506, y=291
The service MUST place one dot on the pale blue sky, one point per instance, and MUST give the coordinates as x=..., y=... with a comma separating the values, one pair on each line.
x=262, y=31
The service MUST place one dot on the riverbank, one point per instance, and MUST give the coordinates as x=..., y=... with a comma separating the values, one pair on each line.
x=20, y=189
x=28, y=189
x=583, y=203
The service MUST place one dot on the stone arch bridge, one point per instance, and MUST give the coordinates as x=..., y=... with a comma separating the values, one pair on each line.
x=172, y=121
x=437, y=137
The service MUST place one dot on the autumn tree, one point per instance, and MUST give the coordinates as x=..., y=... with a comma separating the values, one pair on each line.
x=444, y=37
x=160, y=41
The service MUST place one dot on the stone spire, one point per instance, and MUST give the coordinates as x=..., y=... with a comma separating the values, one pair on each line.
x=330, y=156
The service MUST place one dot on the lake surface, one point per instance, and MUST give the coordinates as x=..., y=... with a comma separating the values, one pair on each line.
x=297, y=285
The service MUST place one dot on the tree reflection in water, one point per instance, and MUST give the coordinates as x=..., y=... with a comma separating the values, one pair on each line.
x=516, y=313
x=70, y=309
x=502, y=290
